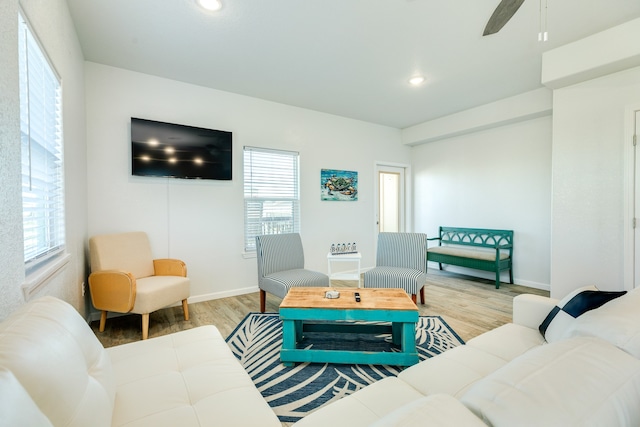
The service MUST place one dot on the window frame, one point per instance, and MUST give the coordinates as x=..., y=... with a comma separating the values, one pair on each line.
x=262, y=196
x=42, y=160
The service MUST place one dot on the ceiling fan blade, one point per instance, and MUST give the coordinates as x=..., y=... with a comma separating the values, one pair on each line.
x=503, y=13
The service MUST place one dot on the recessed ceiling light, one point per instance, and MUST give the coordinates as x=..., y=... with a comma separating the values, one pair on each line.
x=211, y=5
x=416, y=80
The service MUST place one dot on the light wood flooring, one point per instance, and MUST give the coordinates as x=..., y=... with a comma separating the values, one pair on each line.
x=469, y=305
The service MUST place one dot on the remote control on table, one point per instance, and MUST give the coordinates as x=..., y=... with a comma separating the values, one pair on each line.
x=357, y=294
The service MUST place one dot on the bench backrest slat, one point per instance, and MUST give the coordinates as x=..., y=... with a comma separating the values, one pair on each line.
x=478, y=237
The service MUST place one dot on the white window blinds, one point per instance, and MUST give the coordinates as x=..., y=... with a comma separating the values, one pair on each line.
x=41, y=141
x=271, y=193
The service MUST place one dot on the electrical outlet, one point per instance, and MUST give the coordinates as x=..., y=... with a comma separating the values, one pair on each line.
x=83, y=288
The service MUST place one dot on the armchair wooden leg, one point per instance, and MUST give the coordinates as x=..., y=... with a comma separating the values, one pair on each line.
x=422, y=295
x=103, y=320
x=145, y=326
x=263, y=300
x=413, y=298
x=185, y=308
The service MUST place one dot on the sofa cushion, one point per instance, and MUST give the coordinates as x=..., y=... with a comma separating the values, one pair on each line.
x=453, y=371
x=16, y=406
x=365, y=406
x=58, y=360
x=572, y=306
x=574, y=382
x=617, y=322
x=189, y=378
x=507, y=341
x=439, y=410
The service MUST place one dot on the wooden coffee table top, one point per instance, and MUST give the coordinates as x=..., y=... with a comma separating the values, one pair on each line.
x=370, y=299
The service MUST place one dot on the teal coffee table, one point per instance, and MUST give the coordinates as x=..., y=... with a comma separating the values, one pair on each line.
x=307, y=310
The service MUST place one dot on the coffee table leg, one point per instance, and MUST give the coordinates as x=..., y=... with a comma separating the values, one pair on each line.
x=408, y=337
x=299, y=330
x=396, y=333
x=288, y=337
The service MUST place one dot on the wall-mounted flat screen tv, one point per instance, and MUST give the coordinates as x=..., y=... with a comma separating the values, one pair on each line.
x=178, y=151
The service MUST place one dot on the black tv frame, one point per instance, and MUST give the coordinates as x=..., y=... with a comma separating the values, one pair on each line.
x=161, y=149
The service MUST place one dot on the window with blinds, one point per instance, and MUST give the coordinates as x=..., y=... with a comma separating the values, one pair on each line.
x=271, y=193
x=42, y=163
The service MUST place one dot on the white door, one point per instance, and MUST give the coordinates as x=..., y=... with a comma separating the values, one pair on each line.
x=390, y=199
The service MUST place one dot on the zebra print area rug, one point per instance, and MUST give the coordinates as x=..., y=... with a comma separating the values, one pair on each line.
x=293, y=392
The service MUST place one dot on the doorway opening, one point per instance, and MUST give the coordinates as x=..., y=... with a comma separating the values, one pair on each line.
x=391, y=198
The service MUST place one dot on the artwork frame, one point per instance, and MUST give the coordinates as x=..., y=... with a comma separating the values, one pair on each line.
x=337, y=185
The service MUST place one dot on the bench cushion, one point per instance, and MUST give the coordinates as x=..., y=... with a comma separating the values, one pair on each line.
x=468, y=253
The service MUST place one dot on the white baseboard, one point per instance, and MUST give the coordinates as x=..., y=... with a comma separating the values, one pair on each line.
x=491, y=276
x=95, y=315
x=218, y=295
x=534, y=285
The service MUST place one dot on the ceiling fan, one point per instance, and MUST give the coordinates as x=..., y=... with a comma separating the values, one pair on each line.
x=503, y=13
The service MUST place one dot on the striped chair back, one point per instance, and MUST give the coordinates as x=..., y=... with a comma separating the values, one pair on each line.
x=279, y=252
x=406, y=250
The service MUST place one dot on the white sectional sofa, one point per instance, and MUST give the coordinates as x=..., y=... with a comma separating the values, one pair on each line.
x=588, y=374
x=55, y=372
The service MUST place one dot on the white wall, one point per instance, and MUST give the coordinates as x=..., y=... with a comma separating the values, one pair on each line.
x=11, y=247
x=202, y=222
x=588, y=182
x=496, y=178
x=52, y=24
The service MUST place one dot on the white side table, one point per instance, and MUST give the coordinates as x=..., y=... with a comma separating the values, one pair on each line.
x=354, y=258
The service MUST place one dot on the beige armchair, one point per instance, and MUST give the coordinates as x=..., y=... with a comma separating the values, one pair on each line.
x=126, y=279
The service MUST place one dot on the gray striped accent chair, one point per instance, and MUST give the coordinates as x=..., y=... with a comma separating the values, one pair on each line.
x=281, y=266
x=401, y=262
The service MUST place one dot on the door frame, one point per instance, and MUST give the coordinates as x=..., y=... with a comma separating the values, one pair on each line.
x=630, y=153
x=408, y=191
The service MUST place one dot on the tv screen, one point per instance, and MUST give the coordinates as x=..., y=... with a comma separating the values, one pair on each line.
x=179, y=151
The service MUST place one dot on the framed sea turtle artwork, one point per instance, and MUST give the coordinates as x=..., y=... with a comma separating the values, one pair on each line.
x=338, y=185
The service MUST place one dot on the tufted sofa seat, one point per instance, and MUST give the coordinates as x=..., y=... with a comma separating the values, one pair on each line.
x=55, y=372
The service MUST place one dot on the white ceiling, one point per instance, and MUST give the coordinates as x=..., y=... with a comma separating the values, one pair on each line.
x=351, y=58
